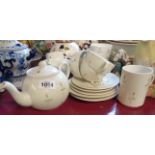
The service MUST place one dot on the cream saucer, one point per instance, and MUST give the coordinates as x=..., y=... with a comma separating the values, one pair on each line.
x=98, y=94
x=92, y=96
x=92, y=90
x=129, y=42
x=94, y=100
x=108, y=81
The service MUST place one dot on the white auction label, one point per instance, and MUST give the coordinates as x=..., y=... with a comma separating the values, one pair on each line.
x=47, y=84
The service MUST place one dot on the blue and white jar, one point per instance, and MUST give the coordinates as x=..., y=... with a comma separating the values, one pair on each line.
x=15, y=59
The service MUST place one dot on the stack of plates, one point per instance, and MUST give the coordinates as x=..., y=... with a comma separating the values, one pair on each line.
x=90, y=92
x=124, y=41
x=128, y=45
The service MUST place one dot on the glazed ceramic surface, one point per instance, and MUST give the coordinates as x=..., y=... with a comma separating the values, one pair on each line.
x=102, y=49
x=93, y=91
x=125, y=41
x=45, y=87
x=90, y=66
x=57, y=59
x=93, y=94
x=15, y=59
x=75, y=64
x=87, y=73
x=109, y=81
x=93, y=67
x=102, y=96
x=135, y=80
x=68, y=49
x=93, y=99
x=129, y=46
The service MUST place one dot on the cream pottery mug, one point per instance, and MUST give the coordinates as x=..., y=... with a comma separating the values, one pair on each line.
x=93, y=66
x=134, y=83
x=58, y=60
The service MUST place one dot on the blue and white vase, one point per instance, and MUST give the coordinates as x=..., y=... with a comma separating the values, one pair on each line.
x=15, y=59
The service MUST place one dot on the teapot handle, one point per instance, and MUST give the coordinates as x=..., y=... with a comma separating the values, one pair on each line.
x=65, y=68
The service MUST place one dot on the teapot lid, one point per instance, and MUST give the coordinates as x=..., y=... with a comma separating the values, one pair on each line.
x=9, y=45
x=42, y=70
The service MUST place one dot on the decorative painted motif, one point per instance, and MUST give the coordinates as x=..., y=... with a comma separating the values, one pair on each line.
x=124, y=79
x=15, y=59
x=132, y=97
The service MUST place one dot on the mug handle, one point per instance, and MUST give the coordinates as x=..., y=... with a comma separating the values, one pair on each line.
x=65, y=68
x=152, y=79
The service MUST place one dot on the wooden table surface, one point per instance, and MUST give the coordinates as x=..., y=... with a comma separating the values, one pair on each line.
x=75, y=107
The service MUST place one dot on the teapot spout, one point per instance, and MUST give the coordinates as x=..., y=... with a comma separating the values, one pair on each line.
x=22, y=98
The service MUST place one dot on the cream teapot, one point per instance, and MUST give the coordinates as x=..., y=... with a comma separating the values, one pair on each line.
x=45, y=87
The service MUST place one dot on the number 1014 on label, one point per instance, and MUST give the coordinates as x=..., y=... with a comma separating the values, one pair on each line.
x=47, y=84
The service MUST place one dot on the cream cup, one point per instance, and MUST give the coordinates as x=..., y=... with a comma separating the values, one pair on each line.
x=93, y=66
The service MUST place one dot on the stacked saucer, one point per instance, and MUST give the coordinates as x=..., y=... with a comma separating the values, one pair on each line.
x=95, y=92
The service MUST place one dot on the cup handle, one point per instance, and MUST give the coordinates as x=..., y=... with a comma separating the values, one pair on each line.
x=65, y=68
